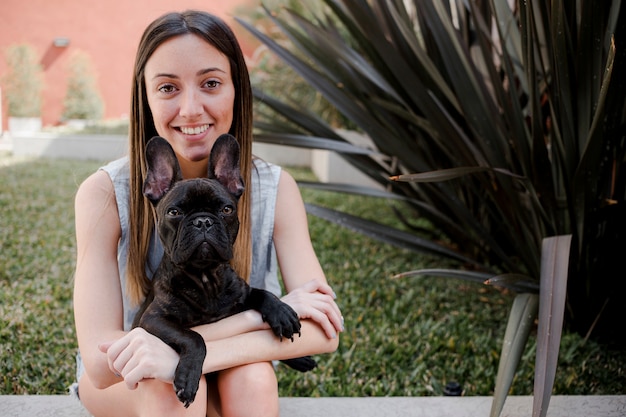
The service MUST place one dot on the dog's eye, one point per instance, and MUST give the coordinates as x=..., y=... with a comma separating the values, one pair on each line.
x=228, y=210
x=173, y=211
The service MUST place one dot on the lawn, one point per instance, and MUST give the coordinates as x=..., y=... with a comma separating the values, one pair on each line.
x=403, y=337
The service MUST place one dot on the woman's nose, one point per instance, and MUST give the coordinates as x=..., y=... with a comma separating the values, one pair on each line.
x=190, y=104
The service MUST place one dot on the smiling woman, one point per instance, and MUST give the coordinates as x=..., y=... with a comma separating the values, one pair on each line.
x=191, y=86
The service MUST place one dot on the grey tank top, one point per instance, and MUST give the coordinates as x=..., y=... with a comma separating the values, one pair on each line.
x=264, y=185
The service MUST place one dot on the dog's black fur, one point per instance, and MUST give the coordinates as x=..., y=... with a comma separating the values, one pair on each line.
x=194, y=283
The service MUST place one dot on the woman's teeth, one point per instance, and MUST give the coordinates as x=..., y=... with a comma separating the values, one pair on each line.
x=194, y=130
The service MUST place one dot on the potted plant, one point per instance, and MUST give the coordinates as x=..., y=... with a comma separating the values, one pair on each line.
x=22, y=87
x=83, y=102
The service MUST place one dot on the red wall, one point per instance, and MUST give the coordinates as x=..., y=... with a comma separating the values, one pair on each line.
x=108, y=31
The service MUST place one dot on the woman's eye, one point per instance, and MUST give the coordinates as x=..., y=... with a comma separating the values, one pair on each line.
x=228, y=210
x=167, y=88
x=212, y=84
x=173, y=212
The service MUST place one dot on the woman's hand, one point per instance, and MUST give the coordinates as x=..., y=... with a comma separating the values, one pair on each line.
x=140, y=355
x=316, y=301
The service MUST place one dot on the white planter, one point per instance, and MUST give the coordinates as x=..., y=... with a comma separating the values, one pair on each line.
x=24, y=125
x=77, y=123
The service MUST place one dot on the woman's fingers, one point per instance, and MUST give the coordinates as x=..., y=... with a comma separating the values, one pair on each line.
x=327, y=314
x=318, y=286
x=316, y=300
x=132, y=357
x=113, y=349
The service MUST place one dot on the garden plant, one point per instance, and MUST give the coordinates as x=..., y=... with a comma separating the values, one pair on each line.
x=23, y=81
x=502, y=129
x=82, y=98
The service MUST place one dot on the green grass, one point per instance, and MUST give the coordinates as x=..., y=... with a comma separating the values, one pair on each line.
x=403, y=337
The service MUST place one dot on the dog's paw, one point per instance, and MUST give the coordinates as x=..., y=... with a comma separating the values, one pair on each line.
x=303, y=364
x=283, y=320
x=186, y=382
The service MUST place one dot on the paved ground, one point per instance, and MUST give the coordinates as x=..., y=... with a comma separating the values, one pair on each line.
x=560, y=406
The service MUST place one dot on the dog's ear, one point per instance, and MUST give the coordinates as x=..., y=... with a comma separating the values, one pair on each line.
x=163, y=169
x=224, y=164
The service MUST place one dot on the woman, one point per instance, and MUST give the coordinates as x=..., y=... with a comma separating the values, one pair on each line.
x=190, y=85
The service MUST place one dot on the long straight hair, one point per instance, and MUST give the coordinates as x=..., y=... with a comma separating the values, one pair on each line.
x=141, y=220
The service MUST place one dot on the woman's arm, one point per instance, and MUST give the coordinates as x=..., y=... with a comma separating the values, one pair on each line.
x=127, y=356
x=98, y=306
x=97, y=295
x=307, y=289
x=263, y=346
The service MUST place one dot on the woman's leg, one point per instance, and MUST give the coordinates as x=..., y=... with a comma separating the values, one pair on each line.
x=151, y=398
x=249, y=390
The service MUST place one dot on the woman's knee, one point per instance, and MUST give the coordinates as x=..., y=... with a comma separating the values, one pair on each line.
x=161, y=400
x=249, y=390
x=150, y=398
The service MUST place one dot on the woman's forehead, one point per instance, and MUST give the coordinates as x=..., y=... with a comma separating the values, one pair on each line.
x=189, y=54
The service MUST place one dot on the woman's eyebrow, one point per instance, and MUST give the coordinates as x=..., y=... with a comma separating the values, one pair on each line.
x=164, y=75
x=201, y=72
x=208, y=70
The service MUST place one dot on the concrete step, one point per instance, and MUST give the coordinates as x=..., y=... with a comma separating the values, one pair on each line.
x=516, y=406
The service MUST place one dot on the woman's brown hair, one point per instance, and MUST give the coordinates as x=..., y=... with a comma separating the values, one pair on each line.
x=141, y=219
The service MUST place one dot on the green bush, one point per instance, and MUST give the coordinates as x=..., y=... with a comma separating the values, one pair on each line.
x=23, y=81
x=82, y=99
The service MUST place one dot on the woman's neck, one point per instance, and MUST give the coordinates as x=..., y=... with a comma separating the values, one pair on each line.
x=195, y=169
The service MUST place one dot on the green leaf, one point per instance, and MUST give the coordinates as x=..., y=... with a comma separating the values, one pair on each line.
x=448, y=174
x=303, y=141
x=472, y=276
x=555, y=254
x=521, y=321
x=350, y=189
x=385, y=233
x=519, y=282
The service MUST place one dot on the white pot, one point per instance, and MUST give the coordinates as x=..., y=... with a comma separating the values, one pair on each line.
x=24, y=125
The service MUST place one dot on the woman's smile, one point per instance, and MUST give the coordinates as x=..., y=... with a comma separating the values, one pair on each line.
x=188, y=130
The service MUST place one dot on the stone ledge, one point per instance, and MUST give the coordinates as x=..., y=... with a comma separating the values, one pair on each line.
x=516, y=406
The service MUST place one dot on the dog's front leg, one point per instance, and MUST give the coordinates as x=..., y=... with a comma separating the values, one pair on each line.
x=281, y=317
x=190, y=347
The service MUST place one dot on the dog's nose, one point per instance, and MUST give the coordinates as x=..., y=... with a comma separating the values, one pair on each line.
x=202, y=222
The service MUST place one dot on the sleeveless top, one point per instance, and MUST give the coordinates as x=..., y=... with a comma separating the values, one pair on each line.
x=263, y=185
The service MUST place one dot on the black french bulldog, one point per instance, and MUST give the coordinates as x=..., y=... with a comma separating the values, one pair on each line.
x=194, y=283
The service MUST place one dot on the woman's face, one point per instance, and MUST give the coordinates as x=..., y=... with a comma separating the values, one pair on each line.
x=191, y=95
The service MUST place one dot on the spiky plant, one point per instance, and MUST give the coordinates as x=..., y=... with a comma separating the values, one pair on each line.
x=502, y=126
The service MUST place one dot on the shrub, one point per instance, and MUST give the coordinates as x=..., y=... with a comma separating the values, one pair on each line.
x=23, y=81
x=82, y=99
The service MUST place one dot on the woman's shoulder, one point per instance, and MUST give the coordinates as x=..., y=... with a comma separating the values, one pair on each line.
x=103, y=184
x=95, y=199
x=97, y=184
x=117, y=169
x=266, y=173
x=262, y=165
